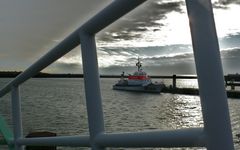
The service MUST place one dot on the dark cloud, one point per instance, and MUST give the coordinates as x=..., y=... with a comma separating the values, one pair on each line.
x=164, y=69
x=62, y=67
x=182, y=63
x=67, y=65
x=132, y=25
x=223, y=4
x=147, y=51
x=232, y=40
x=153, y=11
x=163, y=64
x=226, y=2
x=168, y=60
x=230, y=60
x=231, y=53
x=160, y=63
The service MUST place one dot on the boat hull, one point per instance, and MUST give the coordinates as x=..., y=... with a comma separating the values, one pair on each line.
x=138, y=88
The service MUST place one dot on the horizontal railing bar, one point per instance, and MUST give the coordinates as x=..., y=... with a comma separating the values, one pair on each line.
x=73, y=141
x=193, y=137
x=177, y=138
x=110, y=14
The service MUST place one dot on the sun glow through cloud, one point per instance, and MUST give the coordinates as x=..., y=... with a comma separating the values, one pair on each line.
x=226, y=20
x=165, y=44
x=70, y=60
x=175, y=28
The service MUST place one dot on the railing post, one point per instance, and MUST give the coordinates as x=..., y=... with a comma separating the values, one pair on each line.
x=217, y=126
x=174, y=81
x=92, y=87
x=16, y=116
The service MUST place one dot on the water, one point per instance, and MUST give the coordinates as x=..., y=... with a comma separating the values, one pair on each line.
x=58, y=105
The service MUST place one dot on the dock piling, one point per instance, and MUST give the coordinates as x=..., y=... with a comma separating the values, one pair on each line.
x=174, y=84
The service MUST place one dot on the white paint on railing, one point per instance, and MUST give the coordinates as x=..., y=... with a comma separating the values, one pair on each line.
x=212, y=91
x=92, y=88
x=176, y=138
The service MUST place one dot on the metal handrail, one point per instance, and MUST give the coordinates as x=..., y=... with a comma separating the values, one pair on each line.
x=191, y=137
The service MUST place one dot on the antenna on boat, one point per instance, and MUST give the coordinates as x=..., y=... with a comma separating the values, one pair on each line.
x=139, y=64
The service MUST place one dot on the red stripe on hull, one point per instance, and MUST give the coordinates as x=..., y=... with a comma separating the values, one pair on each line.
x=138, y=78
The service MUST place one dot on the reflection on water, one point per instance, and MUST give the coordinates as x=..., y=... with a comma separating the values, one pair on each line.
x=234, y=105
x=186, y=110
x=58, y=105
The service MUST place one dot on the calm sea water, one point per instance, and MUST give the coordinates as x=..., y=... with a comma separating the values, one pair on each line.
x=59, y=105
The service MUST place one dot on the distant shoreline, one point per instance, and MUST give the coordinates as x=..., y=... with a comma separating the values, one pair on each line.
x=13, y=74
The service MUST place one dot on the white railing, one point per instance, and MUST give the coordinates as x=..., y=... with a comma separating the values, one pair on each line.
x=216, y=134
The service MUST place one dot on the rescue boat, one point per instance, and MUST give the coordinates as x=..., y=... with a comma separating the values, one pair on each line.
x=138, y=82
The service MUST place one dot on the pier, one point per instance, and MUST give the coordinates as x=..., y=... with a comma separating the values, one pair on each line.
x=194, y=91
x=230, y=80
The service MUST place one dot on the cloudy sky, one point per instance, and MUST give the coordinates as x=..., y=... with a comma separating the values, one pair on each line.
x=157, y=32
